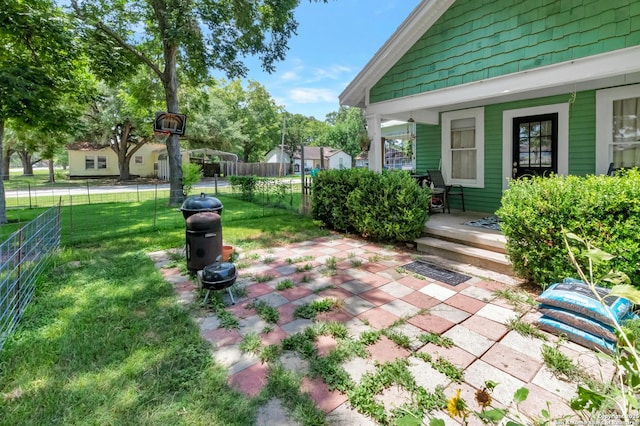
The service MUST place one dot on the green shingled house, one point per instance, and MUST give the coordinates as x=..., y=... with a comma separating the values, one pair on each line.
x=504, y=88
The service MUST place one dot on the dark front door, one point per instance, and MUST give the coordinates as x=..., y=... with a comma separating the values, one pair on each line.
x=535, y=145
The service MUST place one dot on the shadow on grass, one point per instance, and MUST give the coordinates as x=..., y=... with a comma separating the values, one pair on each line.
x=104, y=342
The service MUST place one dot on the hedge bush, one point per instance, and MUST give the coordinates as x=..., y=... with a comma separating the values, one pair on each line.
x=603, y=209
x=246, y=184
x=387, y=206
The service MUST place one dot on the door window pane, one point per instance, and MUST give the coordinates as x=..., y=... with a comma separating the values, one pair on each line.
x=534, y=144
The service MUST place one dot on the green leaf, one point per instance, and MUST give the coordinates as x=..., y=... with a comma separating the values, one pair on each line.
x=494, y=415
x=598, y=256
x=520, y=395
x=629, y=292
x=436, y=422
x=511, y=423
x=490, y=384
x=616, y=278
x=587, y=399
x=574, y=237
x=409, y=420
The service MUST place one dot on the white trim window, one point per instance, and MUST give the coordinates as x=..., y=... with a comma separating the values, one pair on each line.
x=618, y=128
x=463, y=147
x=138, y=159
x=102, y=162
x=89, y=162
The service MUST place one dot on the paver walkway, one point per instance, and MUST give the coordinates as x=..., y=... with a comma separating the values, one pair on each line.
x=377, y=294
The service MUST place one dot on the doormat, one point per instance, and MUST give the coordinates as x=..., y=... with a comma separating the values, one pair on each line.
x=436, y=272
x=489, y=222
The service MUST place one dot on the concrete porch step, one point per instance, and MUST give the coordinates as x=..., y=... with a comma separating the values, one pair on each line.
x=464, y=253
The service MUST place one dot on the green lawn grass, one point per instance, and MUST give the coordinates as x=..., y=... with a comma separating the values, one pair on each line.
x=104, y=340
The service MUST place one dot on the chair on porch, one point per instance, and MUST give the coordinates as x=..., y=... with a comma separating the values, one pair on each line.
x=448, y=190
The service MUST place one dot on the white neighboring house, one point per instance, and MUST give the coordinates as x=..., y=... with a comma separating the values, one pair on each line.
x=276, y=155
x=333, y=158
x=362, y=160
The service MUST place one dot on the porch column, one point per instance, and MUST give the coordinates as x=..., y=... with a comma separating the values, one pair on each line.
x=376, y=148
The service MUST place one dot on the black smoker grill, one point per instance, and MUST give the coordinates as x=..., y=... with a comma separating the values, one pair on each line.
x=200, y=203
x=218, y=276
x=204, y=240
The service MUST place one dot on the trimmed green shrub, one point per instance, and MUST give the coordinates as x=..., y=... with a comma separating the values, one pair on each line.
x=246, y=184
x=191, y=174
x=602, y=209
x=387, y=206
x=329, y=196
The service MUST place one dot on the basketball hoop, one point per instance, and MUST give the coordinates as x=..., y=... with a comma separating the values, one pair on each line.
x=162, y=135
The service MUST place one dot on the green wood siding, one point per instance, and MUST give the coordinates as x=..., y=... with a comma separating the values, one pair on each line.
x=487, y=199
x=582, y=130
x=480, y=39
x=428, y=147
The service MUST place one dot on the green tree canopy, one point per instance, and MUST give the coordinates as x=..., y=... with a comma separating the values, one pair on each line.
x=194, y=36
x=347, y=131
x=42, y=73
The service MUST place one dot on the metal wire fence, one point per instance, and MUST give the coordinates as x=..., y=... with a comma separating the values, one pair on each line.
x=25, y=254
x=47, y=219
x=90, y=213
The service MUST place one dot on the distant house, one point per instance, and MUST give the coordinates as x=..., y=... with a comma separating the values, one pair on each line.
x=93, y=160
x=501, y=89
x=333, y=158
x=277, y=155
x=362, y=160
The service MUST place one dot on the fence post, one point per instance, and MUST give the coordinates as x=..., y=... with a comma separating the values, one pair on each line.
x=29, y=188
x=155, y=206
x=59, y=219
x=138, y=191
x=88, y=194
x=19, y=295
x=70, y=218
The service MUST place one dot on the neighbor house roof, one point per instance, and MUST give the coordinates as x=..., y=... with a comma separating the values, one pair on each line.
x=86, y=146
x=313, y=152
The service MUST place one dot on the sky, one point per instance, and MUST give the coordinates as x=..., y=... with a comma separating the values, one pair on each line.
x=334, y=42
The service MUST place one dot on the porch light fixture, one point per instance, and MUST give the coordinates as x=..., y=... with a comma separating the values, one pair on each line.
x=411, y=128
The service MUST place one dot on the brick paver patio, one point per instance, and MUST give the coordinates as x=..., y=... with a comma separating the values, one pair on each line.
x=375, y=293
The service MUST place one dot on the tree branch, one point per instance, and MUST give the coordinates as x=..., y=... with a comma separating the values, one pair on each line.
x=101, y=26
x=131, y=49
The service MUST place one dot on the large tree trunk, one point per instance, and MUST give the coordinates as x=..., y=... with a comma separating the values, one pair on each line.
x=125, y=170
x=3, y=202
x=52, y=175
x=27, y=165
x=170, y=82
x=6, y=163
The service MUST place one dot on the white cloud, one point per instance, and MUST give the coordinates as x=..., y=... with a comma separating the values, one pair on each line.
x=288, y=76
x=333, y=72
x=311, y=95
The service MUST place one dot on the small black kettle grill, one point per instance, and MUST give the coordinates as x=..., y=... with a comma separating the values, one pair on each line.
x=218, y=276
